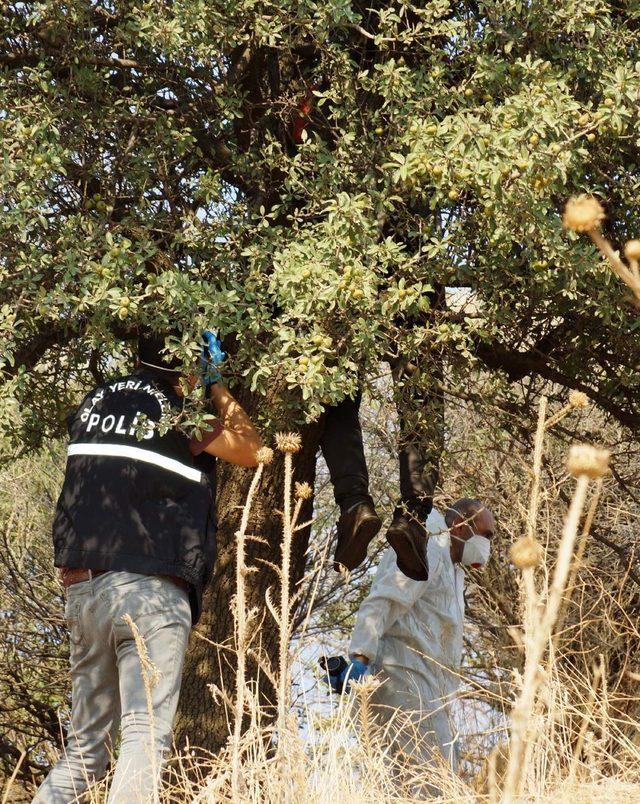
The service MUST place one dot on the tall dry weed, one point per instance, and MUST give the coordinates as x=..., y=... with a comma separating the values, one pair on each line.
x=556, y=721
x=568, y=742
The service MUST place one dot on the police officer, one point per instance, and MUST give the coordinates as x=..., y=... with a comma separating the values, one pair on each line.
x=134, y=534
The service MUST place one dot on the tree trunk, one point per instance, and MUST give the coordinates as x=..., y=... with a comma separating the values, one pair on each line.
x=201, y=720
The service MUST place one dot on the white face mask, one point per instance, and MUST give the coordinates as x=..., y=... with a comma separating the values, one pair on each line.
x=476, y=551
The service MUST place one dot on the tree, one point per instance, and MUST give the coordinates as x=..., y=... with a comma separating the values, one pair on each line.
x=308, y=177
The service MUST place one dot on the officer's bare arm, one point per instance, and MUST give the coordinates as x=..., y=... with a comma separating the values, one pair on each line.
x=238, y=440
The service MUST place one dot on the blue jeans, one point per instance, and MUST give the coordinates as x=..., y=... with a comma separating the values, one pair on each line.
x=107, y=684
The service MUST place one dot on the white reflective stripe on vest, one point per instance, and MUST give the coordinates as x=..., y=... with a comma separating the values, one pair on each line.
x=137, y=454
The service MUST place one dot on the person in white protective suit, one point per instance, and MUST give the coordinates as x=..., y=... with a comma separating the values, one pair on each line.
x=411, y=633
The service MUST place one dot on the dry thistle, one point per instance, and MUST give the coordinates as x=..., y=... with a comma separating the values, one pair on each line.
x=303, y=491
x=589, y=461
x=583, y=213
x=632, y=250
x=264, y=455
x=578, y=400
x=288, y=442
x=365, y=685
x=526, y=552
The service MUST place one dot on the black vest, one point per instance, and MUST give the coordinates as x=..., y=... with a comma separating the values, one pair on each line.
x=134, y=498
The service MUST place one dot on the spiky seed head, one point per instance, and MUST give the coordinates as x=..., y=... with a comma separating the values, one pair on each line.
x=526, y=552
x=578, y=400
x=632, y=250
x=303, y=491
x=366, y=685
x=583, y=213
x=264, y=455
x=585, y=459
x=288, y=442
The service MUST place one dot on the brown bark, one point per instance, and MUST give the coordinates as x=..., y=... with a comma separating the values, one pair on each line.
x=201, y=720
x=532, y=363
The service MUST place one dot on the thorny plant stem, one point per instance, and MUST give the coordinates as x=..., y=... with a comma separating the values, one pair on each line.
x=531, y=597
x=523, y=708
x=289, y=523
x=553, y=420
x=629, y=277
x=240, y=613
x=586, y=528
x=16, y=770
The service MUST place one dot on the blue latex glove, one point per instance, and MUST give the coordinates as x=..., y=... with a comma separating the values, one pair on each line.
x=212, y=356
x=354, y=671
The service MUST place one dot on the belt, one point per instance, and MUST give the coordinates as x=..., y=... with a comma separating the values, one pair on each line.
x=71, y=575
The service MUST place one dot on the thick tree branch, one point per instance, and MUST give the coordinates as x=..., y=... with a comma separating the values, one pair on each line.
x=33, y=350
x=517, y=365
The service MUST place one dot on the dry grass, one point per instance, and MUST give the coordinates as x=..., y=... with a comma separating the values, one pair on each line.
x=568, y=743
x=570, y=739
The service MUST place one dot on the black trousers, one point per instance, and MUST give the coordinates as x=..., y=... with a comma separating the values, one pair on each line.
x=421, y=420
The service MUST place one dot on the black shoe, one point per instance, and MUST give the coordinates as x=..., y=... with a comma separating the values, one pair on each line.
x=356, y=528
x=409, y=540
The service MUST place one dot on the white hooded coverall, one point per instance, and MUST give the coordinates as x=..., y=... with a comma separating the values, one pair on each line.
x=411, y=632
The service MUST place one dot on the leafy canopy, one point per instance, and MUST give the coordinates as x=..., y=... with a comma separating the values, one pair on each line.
x=307, y=177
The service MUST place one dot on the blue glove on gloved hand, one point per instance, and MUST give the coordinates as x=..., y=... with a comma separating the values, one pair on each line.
x=212, y=356
x=354, y=671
